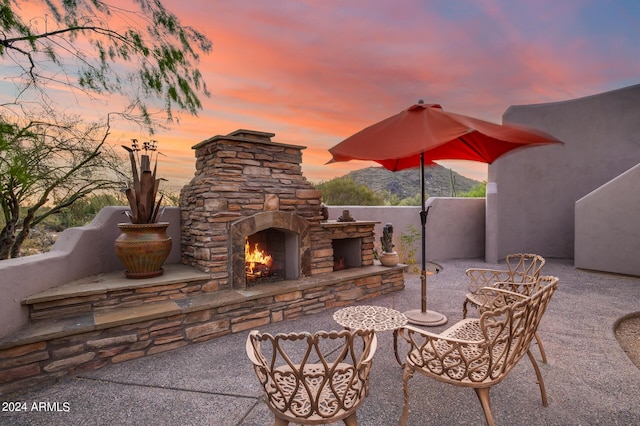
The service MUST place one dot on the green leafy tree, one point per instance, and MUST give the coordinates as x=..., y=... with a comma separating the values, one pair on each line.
x=142, y=52
x=84, y=210
x=343, y=191
x=409, y=243
x=416, y=200
x=479, y=190
x=91, y=50
x=44, y=169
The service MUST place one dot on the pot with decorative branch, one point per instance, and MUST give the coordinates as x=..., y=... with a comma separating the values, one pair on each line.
x=144, y=244
x=389, y=257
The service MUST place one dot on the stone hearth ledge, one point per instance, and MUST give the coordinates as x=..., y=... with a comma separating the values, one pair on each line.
x=54, y=329
x=112, y=281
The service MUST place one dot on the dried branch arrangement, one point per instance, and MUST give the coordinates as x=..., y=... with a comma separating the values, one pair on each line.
x=142, y=192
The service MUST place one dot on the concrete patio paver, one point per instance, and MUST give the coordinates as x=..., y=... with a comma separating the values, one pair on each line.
x=589, y=378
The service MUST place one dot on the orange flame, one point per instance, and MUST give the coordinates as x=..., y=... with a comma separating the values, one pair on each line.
x=255, y=256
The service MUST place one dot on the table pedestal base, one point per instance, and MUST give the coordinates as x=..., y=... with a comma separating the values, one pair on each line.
x=428, y=318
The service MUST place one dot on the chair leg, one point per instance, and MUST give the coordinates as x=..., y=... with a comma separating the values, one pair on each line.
x=543, y=392
x=406, y=375
x=351, y=420
x=483, y=396
x=464, y=309
x=280, y=422
x=395, y=348
x=541, y=348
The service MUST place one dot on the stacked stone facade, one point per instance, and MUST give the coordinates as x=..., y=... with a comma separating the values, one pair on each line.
x=72, y=345
x=245, y=183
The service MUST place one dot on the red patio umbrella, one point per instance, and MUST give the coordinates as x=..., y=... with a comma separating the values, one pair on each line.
x=424, y=133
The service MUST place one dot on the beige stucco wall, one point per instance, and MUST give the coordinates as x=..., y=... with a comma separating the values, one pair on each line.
x=531, y=207
x=608, y=226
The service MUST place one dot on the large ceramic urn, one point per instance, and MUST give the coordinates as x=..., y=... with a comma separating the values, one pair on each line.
x=389, y=259
x=143, y=248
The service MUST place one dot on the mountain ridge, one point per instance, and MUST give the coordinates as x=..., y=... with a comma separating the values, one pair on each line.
x=406, y=183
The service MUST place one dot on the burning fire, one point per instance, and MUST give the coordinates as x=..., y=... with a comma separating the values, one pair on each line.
x=257, y=261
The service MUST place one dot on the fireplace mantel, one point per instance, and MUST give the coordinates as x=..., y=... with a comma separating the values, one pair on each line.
x=337, y=224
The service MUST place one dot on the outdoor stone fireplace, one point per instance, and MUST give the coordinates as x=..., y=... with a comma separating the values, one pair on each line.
x=249, y=193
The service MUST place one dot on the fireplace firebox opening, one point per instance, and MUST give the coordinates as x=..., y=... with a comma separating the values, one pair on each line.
x=271, y=255
x=347, y=253
x=283, y=235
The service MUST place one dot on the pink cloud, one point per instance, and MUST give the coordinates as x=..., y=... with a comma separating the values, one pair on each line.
x=334, y=70
x=316, y=72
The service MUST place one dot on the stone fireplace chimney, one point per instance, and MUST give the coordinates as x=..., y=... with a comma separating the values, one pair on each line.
x=245, y=184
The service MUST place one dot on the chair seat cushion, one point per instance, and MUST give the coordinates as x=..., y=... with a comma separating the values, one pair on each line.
x=466, y=329
x=476, y=299
x=463, y=363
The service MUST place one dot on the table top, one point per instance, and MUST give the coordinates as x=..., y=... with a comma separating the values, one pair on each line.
x=367, y=317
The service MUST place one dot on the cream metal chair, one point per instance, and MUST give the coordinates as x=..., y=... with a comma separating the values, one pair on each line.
x=479, y=353
x=313, y=378
x=521, y=277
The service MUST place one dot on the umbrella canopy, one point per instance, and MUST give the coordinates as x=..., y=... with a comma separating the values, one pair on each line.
x=397, y=142
x=423, y=133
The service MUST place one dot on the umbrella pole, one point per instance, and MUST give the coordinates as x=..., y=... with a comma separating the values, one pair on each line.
x=423, y=222
x=423, y=316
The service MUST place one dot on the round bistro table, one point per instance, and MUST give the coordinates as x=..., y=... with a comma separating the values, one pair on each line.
x=368, y=317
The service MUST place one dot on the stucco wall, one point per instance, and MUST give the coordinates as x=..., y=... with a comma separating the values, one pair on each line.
x=78, y=252
x=455, y=227
x=607, y=226
x=532, y=207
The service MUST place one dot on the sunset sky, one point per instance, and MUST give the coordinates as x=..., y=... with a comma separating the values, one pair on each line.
x=315, y=72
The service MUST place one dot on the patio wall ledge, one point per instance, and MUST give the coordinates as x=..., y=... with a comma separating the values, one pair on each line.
x=78, y=252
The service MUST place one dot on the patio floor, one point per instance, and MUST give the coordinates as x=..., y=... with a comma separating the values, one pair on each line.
x=589, y=378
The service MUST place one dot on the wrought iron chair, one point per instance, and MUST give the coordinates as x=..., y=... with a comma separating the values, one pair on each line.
x=479, y=353
x=521, y=277
x=306, y=380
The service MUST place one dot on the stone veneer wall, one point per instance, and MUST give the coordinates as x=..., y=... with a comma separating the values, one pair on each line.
x=33, y=361
x=237, y=176
x=333, y=230
x=119, y=298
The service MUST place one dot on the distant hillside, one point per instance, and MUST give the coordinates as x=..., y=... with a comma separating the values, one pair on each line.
x=406, y=183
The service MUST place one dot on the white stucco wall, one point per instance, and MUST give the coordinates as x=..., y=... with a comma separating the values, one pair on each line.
x=532, y=209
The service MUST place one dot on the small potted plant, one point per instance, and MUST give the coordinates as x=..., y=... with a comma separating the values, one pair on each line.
x=389, y=257
x=144, y=244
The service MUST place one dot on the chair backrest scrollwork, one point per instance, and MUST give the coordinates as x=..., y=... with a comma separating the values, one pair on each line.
x=305, y=379
x=509, y=330
x=522, y=265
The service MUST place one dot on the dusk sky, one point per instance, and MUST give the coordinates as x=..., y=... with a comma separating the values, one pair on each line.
x=315, y=72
